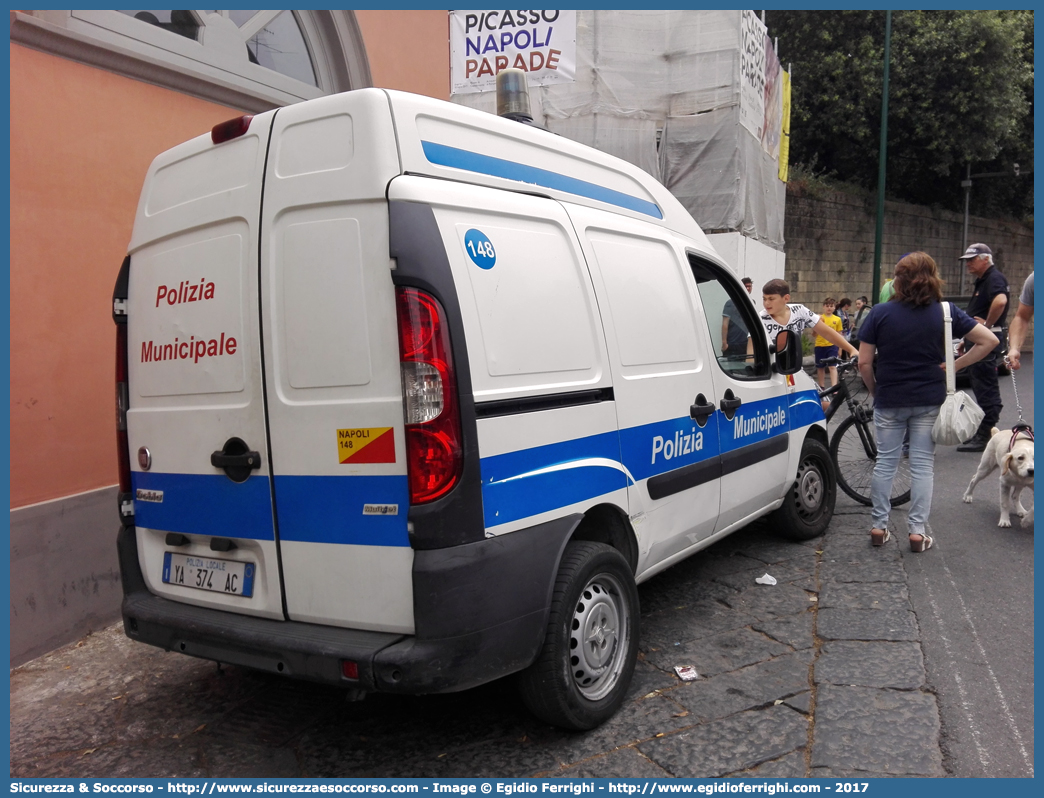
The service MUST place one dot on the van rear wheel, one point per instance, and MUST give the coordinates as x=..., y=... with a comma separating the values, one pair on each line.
x=808, y=507
x=583, y=671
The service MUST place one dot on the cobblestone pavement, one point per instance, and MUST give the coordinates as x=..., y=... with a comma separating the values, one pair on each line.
x=820, y=675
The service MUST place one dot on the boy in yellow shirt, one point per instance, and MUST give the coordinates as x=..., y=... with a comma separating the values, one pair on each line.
x=825, y=349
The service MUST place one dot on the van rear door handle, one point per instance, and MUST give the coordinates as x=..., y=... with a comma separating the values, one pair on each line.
x=730, y=404
x=236, y=459
x=251, y=460
x=700, y=409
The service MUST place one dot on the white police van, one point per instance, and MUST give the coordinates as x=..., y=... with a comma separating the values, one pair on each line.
x=412, y=396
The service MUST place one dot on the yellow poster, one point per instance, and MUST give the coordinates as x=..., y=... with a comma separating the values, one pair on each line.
x=784, y=139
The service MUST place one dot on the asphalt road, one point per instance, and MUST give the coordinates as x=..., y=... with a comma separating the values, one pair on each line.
x=973, y=596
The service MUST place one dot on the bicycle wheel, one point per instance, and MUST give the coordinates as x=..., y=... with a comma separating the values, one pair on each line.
x=854, y=450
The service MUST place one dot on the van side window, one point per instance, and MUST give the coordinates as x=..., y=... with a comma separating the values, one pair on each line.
x=735, y=331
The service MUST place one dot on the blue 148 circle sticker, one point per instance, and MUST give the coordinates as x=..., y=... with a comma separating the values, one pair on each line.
x=480, y=249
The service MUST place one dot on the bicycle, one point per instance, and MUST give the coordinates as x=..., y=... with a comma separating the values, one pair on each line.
x=853, y=446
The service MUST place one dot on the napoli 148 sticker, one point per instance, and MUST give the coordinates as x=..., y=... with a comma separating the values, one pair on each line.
x=480, y=249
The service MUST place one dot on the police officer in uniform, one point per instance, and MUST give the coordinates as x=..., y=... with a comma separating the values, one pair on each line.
x=989, y=307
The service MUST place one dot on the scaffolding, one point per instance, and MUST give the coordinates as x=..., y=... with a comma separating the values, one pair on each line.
x=664, y=91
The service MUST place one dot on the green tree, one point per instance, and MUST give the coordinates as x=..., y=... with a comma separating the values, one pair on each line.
x=961, y=92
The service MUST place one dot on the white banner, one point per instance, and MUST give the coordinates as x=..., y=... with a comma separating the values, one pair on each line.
x=772, y=126
x=752, y=73
x=482, y=43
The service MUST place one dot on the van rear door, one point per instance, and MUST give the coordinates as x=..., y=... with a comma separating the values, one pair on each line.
x=332, y=365
x=196, y=423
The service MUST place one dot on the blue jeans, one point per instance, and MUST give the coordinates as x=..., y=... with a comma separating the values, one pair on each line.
x=891, y=425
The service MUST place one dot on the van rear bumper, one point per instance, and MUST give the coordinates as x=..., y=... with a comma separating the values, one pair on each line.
x=301, y=650
x=480, y=614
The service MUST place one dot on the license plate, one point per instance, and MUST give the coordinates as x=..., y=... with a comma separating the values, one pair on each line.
x=204, y=573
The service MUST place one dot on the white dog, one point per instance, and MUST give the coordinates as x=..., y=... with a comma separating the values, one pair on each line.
x=1013, y=453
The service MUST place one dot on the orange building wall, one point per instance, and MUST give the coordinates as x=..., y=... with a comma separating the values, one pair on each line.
x=408, y=50
x=81, y=142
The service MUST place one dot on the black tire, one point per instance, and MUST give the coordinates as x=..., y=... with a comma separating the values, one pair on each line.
x=595, y=602
x=808, y=507
x=855, y=469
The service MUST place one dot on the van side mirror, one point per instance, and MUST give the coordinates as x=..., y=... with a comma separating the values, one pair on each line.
x=787, y=349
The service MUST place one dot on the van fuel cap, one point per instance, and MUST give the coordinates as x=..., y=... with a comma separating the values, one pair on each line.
x=236, y=459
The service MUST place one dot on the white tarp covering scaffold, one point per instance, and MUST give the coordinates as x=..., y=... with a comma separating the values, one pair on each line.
x=680, y=95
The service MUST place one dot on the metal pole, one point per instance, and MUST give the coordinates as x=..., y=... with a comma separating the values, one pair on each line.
x=882, y=159
x=967, y=184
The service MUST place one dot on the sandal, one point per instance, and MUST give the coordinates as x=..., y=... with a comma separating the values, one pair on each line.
x=922, y=542
x=878, y=537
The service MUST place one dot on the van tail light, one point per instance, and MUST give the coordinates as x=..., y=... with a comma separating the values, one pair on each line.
x=434, y=454
x=232, y=129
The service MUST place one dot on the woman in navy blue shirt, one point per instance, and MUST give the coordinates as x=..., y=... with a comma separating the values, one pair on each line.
x=906, y=333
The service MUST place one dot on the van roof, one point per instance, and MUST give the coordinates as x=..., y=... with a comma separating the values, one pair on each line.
x=185, y=186
x=451, y=141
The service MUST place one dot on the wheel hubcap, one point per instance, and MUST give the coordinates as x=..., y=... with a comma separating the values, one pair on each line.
x=597, y=638
x=810, y=489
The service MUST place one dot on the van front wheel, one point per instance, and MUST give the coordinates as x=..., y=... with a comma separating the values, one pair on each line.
x=809, y=506
x=583, y=671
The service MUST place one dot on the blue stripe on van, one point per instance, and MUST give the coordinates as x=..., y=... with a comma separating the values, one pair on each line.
x=805, y=409
x=312, y=509
x=653, y=449
x=454, y=158
x=205, y=504
x=524, y=483
x=754, y=422
x=531, y=481
x=515, y=485
x=330, y=509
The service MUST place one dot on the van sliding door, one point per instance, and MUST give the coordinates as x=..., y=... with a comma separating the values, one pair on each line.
x=660, y=371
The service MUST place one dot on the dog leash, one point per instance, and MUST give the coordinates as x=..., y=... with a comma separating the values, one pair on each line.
x=1015, y=388
x=1021, y=427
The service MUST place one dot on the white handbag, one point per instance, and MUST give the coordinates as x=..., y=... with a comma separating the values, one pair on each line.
x=959, y=416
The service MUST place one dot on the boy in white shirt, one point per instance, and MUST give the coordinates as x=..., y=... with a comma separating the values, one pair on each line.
x=779, y=315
